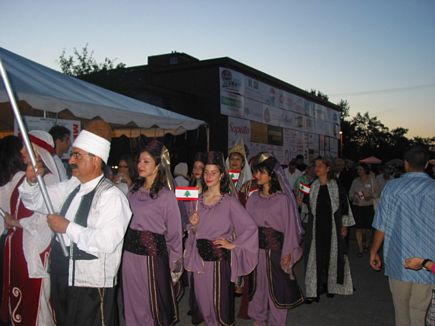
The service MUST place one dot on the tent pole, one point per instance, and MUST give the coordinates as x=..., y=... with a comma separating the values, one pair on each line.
x=29, y=148
x=207, y=130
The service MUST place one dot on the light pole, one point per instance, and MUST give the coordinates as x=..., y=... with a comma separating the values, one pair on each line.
x=341, y=143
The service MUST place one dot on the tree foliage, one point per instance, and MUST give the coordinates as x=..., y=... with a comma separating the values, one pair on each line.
x=83, y=62
x=319, y=94
x=365, y=135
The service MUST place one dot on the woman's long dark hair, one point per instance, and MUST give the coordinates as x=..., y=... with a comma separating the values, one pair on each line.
x=11, y=160
x=268, y=166
x=217, y=158
x=199, y=157
x=154, y=148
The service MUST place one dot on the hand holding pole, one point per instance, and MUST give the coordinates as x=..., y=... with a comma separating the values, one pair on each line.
x=29, y=148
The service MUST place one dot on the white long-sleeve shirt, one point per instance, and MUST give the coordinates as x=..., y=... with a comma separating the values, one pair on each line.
x=103, y=237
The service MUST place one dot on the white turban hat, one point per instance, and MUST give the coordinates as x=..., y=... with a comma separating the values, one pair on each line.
x=93, y=144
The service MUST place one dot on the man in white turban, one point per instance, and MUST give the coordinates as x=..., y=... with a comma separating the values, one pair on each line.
x=93, y=217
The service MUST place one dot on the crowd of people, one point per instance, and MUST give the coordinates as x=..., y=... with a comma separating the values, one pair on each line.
x=120, y=245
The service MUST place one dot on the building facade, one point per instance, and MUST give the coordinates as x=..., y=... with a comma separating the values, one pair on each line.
x=237, y=102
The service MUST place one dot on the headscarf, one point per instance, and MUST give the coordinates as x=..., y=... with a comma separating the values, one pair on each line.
x=286, y=189
x=245, y=173
x=43, y=145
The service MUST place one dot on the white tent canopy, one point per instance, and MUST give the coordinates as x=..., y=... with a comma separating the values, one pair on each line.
x=49, y=90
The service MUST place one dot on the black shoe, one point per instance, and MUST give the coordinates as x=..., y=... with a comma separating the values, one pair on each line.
x=330, y=295
x=359, y=254
x=311, y=300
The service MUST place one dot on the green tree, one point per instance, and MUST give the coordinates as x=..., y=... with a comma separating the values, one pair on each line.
x=428, y=142
x=368, y=136
x=82, y=63
x=319, y=94
x=344, y=109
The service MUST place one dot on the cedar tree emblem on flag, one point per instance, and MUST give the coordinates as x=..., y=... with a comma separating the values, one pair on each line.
x=304, y=188
x=187, y=193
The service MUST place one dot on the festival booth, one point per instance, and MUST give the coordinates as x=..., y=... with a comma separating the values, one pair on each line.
x=46, y=96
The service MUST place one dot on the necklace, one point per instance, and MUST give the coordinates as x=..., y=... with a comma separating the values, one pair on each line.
x=211, y=200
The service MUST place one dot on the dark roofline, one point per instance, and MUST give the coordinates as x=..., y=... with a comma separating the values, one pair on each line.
x=243, y=68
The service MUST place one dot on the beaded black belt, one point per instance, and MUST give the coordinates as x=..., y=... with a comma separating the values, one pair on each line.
x=145, y=243
x=270, y=239
x=209, y=252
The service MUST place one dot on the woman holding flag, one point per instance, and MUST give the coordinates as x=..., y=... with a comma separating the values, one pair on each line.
x=152, y=259
x=327, y=269
x=274, y=210
x=222, y=245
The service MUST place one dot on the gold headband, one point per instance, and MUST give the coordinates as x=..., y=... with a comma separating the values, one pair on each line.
x=165, y=157
x=238, y=148
x=165, y=160
x=263, y=157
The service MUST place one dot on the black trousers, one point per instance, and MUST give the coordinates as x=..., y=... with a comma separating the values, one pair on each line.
x=82, y=306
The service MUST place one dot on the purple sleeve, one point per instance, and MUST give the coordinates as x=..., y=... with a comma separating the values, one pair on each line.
x=192, y=260
x=291, y=245
x=244, y=257
x=173, y=234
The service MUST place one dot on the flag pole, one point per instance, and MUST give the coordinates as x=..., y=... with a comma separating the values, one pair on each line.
x=29, y=148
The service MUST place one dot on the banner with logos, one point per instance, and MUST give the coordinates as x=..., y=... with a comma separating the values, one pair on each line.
x=273, y=120
x=247, y=98
x=283, y=143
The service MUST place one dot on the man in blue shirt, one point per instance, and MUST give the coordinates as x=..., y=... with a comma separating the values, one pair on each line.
x=405, y=222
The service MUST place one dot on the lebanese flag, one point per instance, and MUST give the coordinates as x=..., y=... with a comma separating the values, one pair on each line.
x=304, y=188
x=234, y=175
x=187, y=193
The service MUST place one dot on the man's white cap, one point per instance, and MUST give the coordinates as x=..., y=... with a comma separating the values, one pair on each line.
x=93, y=144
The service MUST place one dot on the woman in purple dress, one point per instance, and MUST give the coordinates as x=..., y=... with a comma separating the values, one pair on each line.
x=152, y=248
x=222, y=245
x=274, y=210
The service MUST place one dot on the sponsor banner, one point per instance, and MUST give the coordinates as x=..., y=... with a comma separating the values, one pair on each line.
x=238, y=129
x=247, y=98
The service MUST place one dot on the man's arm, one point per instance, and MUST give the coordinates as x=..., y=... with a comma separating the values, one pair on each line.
x=375, y=260
x=31, y=194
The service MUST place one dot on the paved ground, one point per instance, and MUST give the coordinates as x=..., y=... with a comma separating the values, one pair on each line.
x=371, y=304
